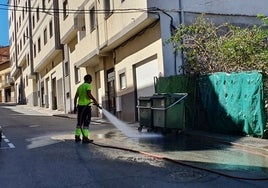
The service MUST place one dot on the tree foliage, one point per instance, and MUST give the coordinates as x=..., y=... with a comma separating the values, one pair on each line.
x=209, y=48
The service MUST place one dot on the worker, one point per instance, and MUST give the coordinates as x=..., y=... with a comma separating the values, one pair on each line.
x=85, y=100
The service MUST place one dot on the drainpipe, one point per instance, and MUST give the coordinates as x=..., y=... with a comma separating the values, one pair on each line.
x=60, y=46
x=99, y=48
x=63, y=79
x=172, y=28
x=181, y=21
x=30, y=38
x=97, y=30
x=181, y=14
x=67, y=60
x=19, y=93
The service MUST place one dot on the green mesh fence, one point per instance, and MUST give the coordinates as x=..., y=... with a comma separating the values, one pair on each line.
x=233, y=103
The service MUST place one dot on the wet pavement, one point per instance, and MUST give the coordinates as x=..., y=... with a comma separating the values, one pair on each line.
x=228, y=154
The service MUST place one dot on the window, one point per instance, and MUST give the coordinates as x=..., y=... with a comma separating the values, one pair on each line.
x=39, y=44
x=76, y=74
x=37, y=14
x=26, y=80
x=65, y=7
x=8, y=77
x=20, y=44
x=92, y=18
x=108, y=7
x=24, y=38
x=34, y=46
x=45, y=36
x=33, y=22
x=66, y=68
x=28, y=59
x=50, y=29
x=44, y=5
x=122, y=79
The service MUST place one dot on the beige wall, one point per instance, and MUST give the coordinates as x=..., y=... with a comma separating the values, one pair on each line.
x=5, y=85
x=100, y=49
x=47, y=58
x=93, y=51
x=120, y=41
x=136, y=51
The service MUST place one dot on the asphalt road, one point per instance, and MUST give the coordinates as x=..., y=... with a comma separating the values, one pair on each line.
x=39, y=151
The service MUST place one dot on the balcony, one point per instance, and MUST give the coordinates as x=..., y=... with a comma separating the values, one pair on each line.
x=73, y=25
x=15, y=71
x=7, y=83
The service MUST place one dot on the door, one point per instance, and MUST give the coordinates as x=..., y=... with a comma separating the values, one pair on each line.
x=111, y=91
x=60, y=95
x=54, y=94
x=7, y=95
x=42, y=94
x=144, y=81
x=145, y=74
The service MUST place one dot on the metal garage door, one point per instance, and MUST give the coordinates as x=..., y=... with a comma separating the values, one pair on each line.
x=145, y=74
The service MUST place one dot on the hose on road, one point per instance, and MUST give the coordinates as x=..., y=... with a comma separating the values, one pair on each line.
x=179, y=162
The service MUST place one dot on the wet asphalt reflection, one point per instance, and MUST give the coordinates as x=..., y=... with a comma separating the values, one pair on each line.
x=196, y=151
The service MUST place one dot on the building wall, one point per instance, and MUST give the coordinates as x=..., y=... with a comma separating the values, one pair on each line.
x=229, y=7
x=116, y=42
x=6, y=85
x=6, y=81
x=107, y=47
x=142, y=50
x=52, y=76
x=35, y=50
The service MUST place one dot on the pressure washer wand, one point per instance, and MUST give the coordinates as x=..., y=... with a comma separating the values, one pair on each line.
x=99, y=106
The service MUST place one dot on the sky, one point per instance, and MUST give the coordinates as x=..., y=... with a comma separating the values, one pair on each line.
x=4, y=39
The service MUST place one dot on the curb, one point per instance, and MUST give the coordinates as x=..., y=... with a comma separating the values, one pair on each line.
x=64, y=116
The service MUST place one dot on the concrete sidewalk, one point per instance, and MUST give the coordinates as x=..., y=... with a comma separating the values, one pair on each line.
x=250, y=144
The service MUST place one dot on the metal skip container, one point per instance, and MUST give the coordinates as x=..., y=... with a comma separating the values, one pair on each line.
x=168, y=111
x=145, y=112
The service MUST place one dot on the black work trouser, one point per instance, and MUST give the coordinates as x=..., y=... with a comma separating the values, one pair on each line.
x=83, y=116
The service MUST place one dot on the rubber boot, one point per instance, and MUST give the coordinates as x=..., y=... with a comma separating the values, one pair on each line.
x=85, y=139
x=77, y=134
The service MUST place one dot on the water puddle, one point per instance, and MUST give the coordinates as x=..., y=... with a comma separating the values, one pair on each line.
x=193, y=150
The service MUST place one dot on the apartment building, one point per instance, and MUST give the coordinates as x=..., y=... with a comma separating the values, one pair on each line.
x=6, y=81
x=36, y=53
x=121, y=43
